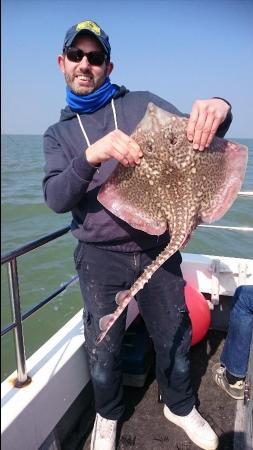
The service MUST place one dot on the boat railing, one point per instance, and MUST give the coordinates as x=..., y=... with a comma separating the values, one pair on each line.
x=18, y=317
x=17, y=324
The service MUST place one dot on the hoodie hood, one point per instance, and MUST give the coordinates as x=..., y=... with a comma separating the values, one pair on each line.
x=67, y=113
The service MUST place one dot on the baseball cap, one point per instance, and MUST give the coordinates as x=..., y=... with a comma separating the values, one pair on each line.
x=88, y=27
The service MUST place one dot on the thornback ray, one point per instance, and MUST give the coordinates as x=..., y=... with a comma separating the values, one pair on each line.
x=173, y=189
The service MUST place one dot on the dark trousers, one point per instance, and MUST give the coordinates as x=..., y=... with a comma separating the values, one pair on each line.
x=103, y=273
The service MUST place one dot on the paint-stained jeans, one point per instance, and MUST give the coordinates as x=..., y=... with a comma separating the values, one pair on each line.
x=103, y=273
x=235, y=354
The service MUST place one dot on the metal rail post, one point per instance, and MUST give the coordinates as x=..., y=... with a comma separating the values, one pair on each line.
x=22, y=376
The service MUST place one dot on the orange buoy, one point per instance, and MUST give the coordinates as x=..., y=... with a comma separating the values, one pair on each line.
x=199, y=313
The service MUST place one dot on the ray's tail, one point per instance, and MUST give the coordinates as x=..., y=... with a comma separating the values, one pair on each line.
x=123, y=298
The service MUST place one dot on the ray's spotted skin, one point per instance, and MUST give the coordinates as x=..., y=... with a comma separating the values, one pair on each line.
x=174, y=188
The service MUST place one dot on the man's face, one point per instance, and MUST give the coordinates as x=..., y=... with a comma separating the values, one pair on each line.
x=82, y=77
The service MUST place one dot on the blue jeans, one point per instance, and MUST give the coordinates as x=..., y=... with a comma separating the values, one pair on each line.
x=235, y=354
x=103, y=273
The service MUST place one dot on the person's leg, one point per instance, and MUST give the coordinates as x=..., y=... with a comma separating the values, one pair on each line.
x=230, y=373
x=101, y=275
x=162, y=305
x=236, y=349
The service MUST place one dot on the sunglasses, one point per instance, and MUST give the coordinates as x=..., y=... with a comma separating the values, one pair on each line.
x=76, y=55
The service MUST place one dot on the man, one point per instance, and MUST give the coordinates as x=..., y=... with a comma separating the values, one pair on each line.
x=81, y=151
x=230, y=374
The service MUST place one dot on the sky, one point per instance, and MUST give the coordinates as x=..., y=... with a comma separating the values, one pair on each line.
x=179, y=50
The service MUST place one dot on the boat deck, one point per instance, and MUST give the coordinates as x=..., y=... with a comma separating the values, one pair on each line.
x=144, y=426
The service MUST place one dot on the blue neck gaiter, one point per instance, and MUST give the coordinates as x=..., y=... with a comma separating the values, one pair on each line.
x=91, y=102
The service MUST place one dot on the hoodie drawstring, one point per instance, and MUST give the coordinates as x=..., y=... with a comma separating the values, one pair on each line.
x=83, y=130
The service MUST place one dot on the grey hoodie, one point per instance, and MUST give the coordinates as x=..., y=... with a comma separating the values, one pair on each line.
x=72, y=184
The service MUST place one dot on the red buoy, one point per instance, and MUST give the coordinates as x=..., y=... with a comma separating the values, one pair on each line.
x=199, y=313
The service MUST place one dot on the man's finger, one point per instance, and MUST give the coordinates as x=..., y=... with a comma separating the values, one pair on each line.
x=121, y=152
x=192, y=122
x=214, y=128
x=199, y=129
x=208, y=126
x=130, y=146
x=127, y=140
x=126, y=149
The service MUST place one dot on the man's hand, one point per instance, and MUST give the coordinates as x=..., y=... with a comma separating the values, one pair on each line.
x=117, y=145
x=205, y=118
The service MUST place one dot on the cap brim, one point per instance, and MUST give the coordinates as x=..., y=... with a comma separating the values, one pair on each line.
x=89, y=32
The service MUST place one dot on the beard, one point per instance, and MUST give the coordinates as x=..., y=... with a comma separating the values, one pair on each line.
x=74, y=87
